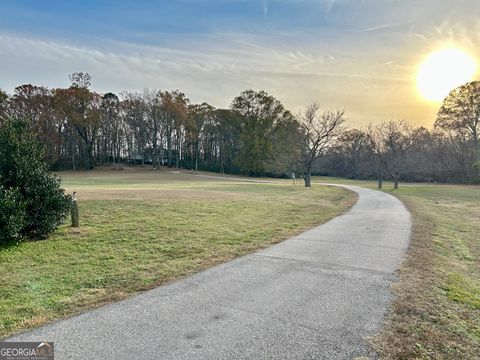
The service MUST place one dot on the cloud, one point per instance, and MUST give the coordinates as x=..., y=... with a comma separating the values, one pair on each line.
x=379, y=27
x=328, y=6
x=211, y=56
x=212, y=69
x=360, y=55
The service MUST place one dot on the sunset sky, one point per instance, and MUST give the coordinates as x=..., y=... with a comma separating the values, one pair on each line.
x=361, y=55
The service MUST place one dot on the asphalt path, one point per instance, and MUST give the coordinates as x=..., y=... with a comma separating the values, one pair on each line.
x=318, y=295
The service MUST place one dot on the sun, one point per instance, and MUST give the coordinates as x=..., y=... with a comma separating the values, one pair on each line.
x=442, y=71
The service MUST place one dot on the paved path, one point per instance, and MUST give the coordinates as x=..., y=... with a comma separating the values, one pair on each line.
x=315, y=296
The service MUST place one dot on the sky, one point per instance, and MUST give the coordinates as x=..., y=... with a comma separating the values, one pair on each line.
x=357, y=55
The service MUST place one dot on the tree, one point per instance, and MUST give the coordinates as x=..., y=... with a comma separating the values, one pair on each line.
x=111, y=130
x=262, y=114
x=351, y=156
x=29, y=196
x=133, y=112
x=173, y=111
x=287, y=139
x=320, y=132
x=451, y=152
x=460, y=114
x=377, y=151
x=81, y=109
x=393, y=141
x=34, y=104
x=227, y=128
x=423, y=162
x=81, y=80
x=3, y=103
x=198, y=115
x=154, y=124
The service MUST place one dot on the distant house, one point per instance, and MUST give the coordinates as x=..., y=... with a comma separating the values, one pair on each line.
x=139, y=159
x=148, y=157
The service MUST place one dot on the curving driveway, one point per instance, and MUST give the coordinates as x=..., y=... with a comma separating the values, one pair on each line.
x=314, y=296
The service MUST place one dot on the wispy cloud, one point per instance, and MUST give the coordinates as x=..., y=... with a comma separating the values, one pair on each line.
x=379, y=27
x=329, y=4
x=214, y=70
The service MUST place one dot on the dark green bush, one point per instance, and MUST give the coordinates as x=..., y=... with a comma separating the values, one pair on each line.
x=12, y=215
x=37, y=202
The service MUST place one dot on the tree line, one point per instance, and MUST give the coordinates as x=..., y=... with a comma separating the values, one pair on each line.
x=400, y=150
x=256, y=135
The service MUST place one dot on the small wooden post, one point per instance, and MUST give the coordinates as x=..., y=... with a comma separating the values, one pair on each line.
x=75, y=216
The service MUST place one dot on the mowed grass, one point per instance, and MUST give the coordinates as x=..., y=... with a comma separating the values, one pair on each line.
x=140, y=229
x=436, y=312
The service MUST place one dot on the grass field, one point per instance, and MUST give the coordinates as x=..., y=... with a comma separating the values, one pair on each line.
x=140, y=229
x=436, y=314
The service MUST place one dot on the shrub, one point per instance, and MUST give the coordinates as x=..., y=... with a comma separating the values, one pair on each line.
x=12, y=215
x=38, y=203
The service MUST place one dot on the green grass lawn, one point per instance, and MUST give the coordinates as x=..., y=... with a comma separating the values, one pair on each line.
x=140, y=229
x=436, y=313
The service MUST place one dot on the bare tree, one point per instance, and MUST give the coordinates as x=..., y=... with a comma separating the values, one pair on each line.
x=111, y=130
x=392, y=142
x=320, y=130
x=377, y=153
x=133, y=112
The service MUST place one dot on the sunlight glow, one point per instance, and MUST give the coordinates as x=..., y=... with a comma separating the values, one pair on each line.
x=442, y=71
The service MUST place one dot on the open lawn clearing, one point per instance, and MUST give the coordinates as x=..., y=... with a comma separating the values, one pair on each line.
x=436, y=314
x=139, y=229
x=317, y=295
